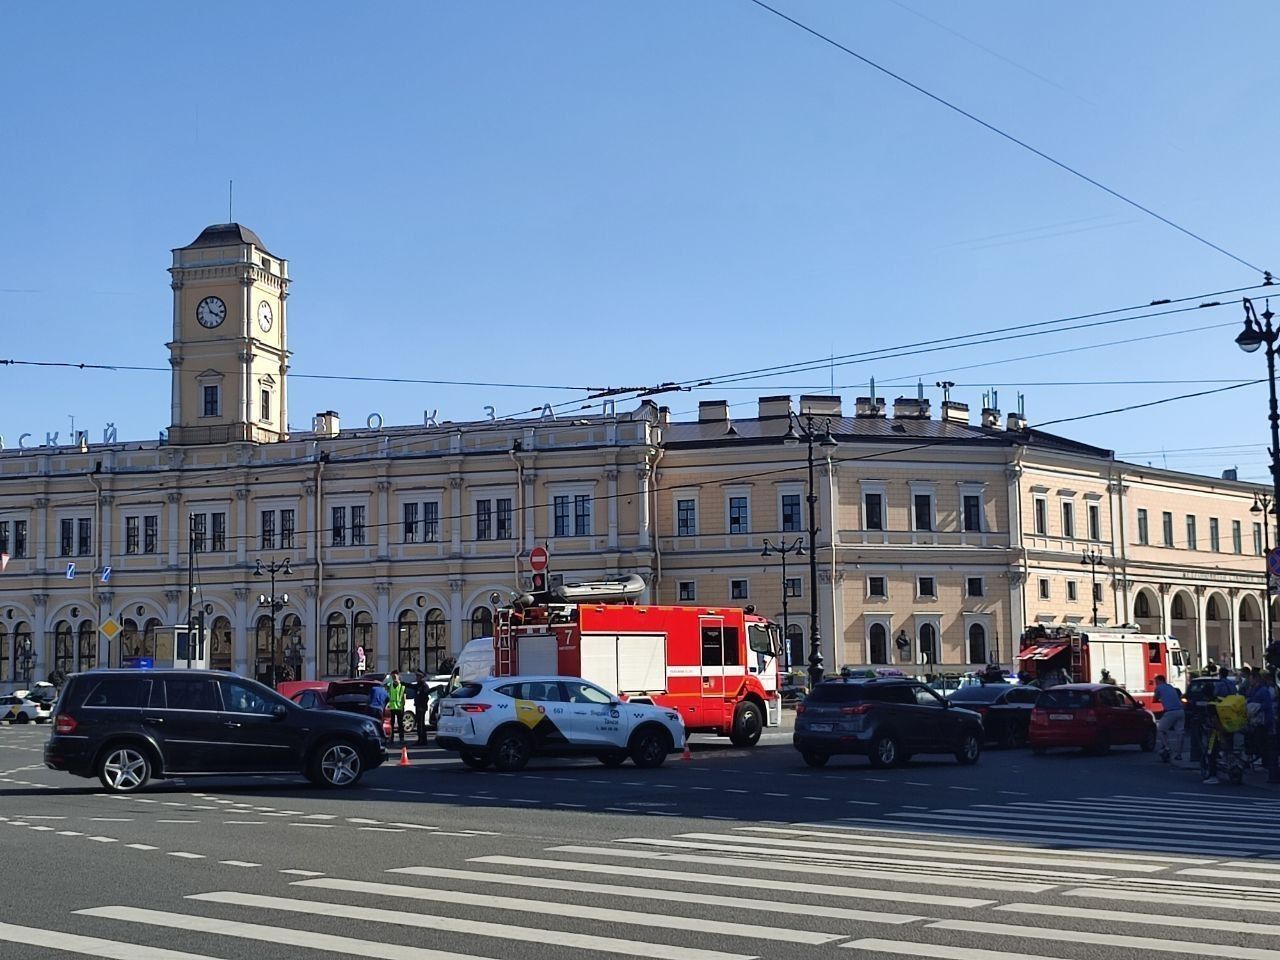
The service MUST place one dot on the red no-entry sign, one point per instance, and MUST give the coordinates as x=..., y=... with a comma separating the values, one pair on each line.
x=538, y=558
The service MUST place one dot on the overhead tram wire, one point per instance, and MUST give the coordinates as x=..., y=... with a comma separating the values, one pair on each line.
x=1011, y=138
x=1142, y=406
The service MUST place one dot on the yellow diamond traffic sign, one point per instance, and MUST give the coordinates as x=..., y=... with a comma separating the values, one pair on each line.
x=110, y=628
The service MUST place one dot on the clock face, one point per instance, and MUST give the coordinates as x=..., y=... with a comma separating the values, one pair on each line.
x=210, y=312
x=264, y=316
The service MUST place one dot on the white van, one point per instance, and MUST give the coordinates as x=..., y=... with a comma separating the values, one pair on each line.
x=474, y=663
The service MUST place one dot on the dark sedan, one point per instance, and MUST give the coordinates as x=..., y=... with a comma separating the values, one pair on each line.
x=1005, y=710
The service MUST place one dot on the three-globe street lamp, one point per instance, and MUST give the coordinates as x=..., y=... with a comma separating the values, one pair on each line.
x=1091, y=559
x=791, y=438
x=782, y=548
x=276, y=604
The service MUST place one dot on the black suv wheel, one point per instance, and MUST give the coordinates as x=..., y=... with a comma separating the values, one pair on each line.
x=336, y=763
x=124, y=768
x=884, y=752
x=969, y=748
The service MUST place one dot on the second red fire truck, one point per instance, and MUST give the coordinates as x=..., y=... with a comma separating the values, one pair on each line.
x=717, y=666
x=1133, y=659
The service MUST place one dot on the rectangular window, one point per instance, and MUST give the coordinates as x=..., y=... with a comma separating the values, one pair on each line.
x=1237, y=538
x=873, y=511
x=926, y=587
x=1041, y=514
x=286, y=529
x=410, y=523
x=1215, y=542
x=561, y=516
x=67, y=539
x=739, y=520
x=1071, y=591
x=686, y=518
x=582, y=515
x=339, y=527
x=84, y=536
x=1044, y=588
x=264, y=405
x=791, y=513
x=219, y=538
x=687, y=592
x=1144, y=534
x=1166, y=520
x=1191, y=532
x=738, y=590
x=1257, y=539
x=132, y=542
x=792, y=587
x=357, y=526
x=972, y=504
x=877, y=587
x=1068, y=519
x=923, y=511
x=268, y=539
x=150, y=534
x=211, y=401
x=975, y=587
x=19, y=539
x=4, y=536
x=484, y=520
x=503, y=517
x=1095, y=522
x=199, y=531
x=430, y=522
x=1097, y=592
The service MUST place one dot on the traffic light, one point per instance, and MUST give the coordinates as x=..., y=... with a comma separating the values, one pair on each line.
x=539, y=582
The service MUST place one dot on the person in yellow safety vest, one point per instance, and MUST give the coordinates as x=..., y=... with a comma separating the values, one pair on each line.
x=395, y=704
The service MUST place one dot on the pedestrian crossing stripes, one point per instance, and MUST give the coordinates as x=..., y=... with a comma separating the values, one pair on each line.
x=737, y=893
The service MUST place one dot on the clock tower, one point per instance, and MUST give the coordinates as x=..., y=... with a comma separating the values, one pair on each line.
x=229, y=351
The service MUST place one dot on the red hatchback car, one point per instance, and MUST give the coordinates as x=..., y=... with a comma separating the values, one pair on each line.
x=1095, y=716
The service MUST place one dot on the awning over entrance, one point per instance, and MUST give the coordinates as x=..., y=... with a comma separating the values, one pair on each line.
x=1043, y=651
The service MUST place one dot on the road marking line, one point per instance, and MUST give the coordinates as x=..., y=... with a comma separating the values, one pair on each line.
x=362, y=820
x=438, y=895
x=934, y=951
x=140, y=846
x=104, y=839
x=111, y=819
x=1232, y=875
x=70, y=833
x=720, y=880
x=90, y=946
x=177, y=821
x=243, y=823
x=1154, y=919
x=303, y=873
x=323, y=826
x=744, y=904
x=1166, y=899
x=320, y=816
x=40, y=827
x=1114, y=940
x=186, y=856
x=239, y=863
x=382, y=829
x=414, y=826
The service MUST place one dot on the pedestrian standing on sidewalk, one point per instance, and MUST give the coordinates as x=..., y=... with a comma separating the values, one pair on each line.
x=1172, y=718
x=421, y=693
x=395, y=703
x=378, y=705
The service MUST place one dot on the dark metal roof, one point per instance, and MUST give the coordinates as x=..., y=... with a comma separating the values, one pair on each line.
x=225, y=235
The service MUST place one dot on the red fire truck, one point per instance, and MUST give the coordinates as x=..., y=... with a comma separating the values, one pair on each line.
x=717, y=666
x=1080, y=654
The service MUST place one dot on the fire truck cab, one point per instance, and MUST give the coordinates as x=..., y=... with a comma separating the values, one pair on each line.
x=1054, y=655
x=718, y=667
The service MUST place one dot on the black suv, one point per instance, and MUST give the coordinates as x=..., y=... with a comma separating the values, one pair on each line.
x=127, y=726
x=887, y=719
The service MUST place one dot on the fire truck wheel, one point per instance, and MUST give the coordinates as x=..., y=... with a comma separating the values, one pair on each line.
x=614, y=758
x=510, y=749
x=650, y=746
x=815, y=759
x=748, y=723
x=884, y=752
x=476, y=761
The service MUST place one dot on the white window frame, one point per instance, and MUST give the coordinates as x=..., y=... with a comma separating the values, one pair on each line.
x=347, y=500
x=1073, y=591
x=729, y=494
x=1039, y=505
x=919, y=620
x=743, y=580
x=925, y=488
x=890, y=648
x=973, y=488
x=210, y=378
x=926, y=596
x=880, y=488
x=266, y=384
x=982, y=580
x=678, y=494
x=1067, y=505
x=1142, y=526
x=562, y=489
x=799, y=582
x=792, y=490
x=680, y=585
x=276, y=504
x=1092, y=507
x=1044, y=588
x=493, y=494
x=876, y=596
x=983, y=620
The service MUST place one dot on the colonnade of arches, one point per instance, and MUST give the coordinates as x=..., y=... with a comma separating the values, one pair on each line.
x=1212, y=624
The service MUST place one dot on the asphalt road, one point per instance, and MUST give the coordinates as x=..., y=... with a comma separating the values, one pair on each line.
x=732, y=854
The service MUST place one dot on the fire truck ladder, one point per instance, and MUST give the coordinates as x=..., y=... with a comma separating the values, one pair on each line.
x=1077, y=656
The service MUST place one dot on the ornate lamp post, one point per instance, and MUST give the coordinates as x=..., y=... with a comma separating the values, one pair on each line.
x=27, y=660
x=782, y=548
x=1263, y=505
x=828, y=444
x=1091, y=559
x=274, y=603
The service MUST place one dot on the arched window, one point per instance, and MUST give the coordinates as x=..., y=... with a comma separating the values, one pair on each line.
x=220, y=644
x=6, y=665
x=1249, y=609
x=364, y=637
x=481, y=623
x=1142, y=606
x=87, y=646
x=23, y=669
x=408, y=654
x=64, y=654
x=130, y=645
x=928, y=643
x=795, y=645
x=336, y=649
x=977, y=643
x=878, y=638
x=262, y=649
x=149, y=637
x=290, y=644
x=1178, y=610
x=1211, y=609
x=436, y=634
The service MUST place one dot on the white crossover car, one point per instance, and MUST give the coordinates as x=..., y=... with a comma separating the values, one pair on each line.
x=16, y=709
x=506, y=720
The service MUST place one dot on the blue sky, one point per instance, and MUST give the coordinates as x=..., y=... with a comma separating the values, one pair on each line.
x=608, y=193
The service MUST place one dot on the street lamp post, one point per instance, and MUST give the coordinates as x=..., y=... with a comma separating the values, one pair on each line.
x=793, y=437
x=782, y=548
x=1257, y=331
x=1092, y=558
x=276, y=604
x=1264, y=505
x=27, y=660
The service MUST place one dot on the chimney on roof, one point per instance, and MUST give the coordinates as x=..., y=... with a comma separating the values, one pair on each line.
x=953, y=411
x=819, y=405
x=911, y=408
x=991, y=418
x=713, y=411
x=867, y=408
x=775, y=408
x=326, y=424
x=1232, y=473
x=1015, y=422
x=664, y=417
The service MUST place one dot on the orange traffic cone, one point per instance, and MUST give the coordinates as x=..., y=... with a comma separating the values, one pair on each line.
x=686, y=755
x=404, y=756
